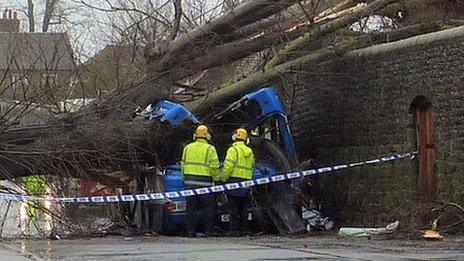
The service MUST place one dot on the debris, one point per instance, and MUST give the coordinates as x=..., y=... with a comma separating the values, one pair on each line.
x=430, y=234
x=54, y=236
x=365, y=232
x=450, y=213
x=435, y=224
x=199, y=235
x=315, y=219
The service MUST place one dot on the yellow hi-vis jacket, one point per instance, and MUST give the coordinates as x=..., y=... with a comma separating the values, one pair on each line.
x=239, y=162
x=200, y=158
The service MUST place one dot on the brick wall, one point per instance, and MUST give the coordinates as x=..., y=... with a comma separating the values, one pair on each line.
x=357, y=107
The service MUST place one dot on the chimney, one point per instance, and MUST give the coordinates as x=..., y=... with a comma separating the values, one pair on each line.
x=9, y=22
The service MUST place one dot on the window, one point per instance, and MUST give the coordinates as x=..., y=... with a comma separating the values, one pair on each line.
x=422, y=111
x=48, y=79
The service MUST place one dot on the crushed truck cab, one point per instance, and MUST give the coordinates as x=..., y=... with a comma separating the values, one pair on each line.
x=263, y=112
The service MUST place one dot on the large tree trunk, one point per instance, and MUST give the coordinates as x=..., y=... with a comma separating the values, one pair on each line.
x=197, y=42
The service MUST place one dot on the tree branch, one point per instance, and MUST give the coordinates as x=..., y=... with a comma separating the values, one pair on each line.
x=49, y=11
x=30, y=15
x=177, y=18
x=314, y=33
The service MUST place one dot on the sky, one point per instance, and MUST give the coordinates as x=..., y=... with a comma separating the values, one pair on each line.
x=88, y=29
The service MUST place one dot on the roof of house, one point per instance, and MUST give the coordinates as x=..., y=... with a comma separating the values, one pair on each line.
x=36, y=51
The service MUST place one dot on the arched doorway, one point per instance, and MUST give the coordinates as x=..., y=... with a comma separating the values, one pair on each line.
x=422, y=111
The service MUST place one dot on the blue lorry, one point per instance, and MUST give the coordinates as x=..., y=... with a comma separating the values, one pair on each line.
x=263, y=112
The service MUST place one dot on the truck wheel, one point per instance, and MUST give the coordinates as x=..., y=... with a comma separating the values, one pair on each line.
x=267, y=151
x=278, y=195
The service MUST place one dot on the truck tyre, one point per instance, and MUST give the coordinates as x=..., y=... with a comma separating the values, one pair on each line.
x=283, y=215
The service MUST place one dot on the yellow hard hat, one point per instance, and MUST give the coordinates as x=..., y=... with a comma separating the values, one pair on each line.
x=241, y=134
x=202, y=132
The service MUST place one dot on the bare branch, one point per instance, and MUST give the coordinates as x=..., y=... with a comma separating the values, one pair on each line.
x=49, y=12
x=177, y=18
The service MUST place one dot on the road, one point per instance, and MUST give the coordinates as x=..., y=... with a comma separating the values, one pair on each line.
x=250, y=248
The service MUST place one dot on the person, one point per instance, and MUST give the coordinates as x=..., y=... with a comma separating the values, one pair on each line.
x=199, y=167
x=238, y=166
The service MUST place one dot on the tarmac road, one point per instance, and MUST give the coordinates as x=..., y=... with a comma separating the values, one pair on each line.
x=251, y=248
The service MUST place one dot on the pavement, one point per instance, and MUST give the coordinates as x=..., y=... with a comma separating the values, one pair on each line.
x=250, y=248
x=11, y=254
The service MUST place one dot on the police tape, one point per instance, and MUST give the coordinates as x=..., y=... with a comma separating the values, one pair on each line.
x=206, y=190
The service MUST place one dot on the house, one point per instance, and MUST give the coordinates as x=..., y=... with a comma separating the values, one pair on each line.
x=36, y=66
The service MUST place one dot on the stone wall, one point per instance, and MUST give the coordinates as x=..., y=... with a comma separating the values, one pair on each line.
x=357, y=108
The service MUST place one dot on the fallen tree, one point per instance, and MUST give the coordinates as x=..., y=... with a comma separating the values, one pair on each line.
x=103, y=137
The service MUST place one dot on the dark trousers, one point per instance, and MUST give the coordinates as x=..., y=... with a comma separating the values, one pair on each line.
x=204, y=204
x=238, y=206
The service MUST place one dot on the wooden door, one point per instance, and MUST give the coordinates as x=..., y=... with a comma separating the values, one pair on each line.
x=427, y=182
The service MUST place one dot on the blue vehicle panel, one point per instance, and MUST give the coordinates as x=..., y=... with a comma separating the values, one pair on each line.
x=173, y=181
x=172, y=112
x=269, y=104
x=268, y=99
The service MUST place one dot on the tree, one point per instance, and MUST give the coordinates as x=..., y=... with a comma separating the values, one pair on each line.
x=50, y=6
x=102, y=137
x=50, y=11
